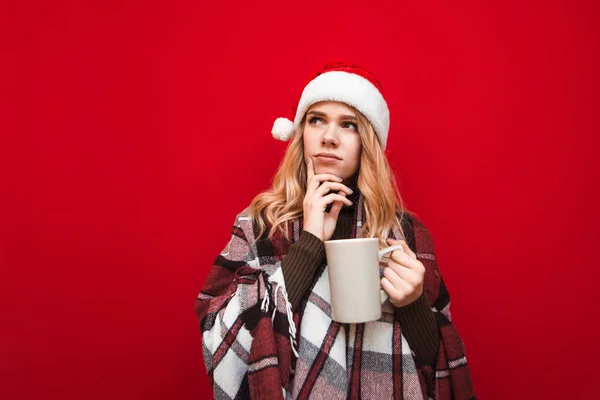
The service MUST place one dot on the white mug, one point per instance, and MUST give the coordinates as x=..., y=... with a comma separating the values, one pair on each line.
x=354, y=281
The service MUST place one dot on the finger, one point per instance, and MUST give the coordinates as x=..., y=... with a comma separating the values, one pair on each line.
x=396, y=294
x=405, y=246
x=403, y=243
x=407, y=261
x=330, y=198
x=388, y=287
x=327, y=187
x=411, y=277
x=393, y=277
x=336, y=207
x=315, y=181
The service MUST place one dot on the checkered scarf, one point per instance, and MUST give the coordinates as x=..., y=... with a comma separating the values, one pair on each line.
x=255, y=347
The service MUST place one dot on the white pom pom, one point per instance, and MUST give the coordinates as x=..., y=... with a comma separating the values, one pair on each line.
x=283, y=129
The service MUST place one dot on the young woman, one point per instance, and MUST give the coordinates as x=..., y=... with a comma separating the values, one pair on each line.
x=264, y=311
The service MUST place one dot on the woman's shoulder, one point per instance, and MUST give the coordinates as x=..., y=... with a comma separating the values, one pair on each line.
x=243, y=224
x=247, y=221
x=242, y=217
x=244, y=214
x=410, y=219
x=415, y=231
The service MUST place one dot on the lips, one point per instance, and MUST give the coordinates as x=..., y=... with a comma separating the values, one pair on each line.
x=328, y=156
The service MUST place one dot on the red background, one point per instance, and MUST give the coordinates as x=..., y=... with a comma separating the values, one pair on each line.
x=132, y=133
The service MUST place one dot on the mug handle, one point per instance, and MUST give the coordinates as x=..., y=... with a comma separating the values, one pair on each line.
x=389, y=250
x=383, y=296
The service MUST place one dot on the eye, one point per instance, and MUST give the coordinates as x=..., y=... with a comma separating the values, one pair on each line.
x=350, y=125
x=314, y=120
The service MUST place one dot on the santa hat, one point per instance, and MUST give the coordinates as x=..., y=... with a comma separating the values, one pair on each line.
x=346, y=83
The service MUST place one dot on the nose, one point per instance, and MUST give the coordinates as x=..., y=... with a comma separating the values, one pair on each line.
x=330, y=136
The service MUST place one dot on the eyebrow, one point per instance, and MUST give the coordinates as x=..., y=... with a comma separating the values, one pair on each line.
x=322, y=114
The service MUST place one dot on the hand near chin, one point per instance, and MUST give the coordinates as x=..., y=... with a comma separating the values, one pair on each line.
x=316, y=220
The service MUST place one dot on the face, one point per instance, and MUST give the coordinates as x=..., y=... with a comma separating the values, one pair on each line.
x=332, y=140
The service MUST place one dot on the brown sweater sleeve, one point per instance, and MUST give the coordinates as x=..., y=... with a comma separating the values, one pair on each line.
x=300, y=265
x=420, y=329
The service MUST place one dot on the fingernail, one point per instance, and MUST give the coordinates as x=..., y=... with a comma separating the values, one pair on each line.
x=351, y=191
x=339, y=179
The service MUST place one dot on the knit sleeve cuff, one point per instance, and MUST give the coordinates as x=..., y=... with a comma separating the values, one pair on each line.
x=420, y=328
x=300, y=265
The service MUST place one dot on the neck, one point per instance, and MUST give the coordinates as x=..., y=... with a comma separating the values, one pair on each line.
x=352, y=183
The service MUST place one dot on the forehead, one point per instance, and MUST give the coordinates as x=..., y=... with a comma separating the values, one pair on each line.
x=332, y=107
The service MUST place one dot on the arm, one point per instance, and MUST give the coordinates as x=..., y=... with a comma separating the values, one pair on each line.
x=452, y=374
x=304, y=257
x=300, y=266
x=235, y=309
x=417, y=318
x=420, y=329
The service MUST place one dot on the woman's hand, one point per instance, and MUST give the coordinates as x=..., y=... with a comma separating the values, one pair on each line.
x=316, y=220
x=404, y=275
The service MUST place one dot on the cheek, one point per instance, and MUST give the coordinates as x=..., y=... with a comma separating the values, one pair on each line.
x=305, y=141
x=358, y=150
x=308, y=137
x=354, y=155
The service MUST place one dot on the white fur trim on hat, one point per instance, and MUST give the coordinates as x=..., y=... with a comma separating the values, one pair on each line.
x=283, y=129
x=351, y=89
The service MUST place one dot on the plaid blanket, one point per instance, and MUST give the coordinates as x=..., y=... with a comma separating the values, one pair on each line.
x=255, y=347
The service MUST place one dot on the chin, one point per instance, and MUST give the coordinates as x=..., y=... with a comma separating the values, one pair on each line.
x=328, y=170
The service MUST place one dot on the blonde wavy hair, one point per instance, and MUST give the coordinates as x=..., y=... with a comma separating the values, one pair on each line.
x=376, y=181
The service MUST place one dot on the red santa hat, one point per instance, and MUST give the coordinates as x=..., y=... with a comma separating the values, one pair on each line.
x=346, y=83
